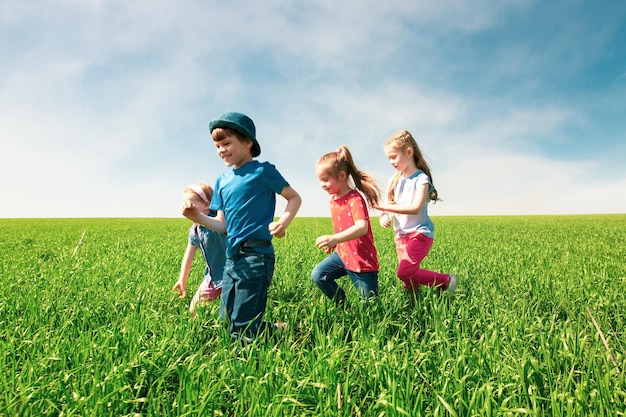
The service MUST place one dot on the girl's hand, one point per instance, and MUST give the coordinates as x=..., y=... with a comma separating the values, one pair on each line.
x=329, y=249
x=180, y=287
x=326, y=243
x=385, y=219
x=277, y=229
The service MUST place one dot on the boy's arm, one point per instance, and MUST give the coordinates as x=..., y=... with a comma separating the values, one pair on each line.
x=294, y=201
x=194, y=214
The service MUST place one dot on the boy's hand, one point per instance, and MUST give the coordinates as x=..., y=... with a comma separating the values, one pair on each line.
x=277, y=229
x=190, y=211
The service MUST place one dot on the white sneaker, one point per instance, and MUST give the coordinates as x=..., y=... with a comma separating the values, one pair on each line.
x=454, y=282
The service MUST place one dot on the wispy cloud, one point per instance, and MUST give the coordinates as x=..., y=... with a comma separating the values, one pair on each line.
x=104, y=102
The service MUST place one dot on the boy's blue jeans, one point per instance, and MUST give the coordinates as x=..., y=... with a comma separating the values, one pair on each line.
x=332, y=268
x=247, y=277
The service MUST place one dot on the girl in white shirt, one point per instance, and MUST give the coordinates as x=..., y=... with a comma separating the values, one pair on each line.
x=410, y=191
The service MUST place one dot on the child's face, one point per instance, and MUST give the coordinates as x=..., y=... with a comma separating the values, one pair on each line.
x=400, y=159
x=331, y=184
x=191, y=197
x=234, y=152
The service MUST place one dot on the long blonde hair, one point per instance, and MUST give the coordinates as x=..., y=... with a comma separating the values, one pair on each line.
x=341, y=160
x=403, y=140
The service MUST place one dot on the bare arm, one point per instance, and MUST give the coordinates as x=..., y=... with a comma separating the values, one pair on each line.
x=185, y=267
x=216, y=223
x=328, y=242
x=278, y=228
x=416, y=205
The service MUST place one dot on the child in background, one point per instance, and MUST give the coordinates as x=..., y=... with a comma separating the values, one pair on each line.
x=213, y=247
x=245, y=201
x=351, y=248
x=410, y=190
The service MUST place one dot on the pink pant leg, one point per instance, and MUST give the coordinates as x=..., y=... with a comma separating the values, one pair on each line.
x=206, y=293
x=412, y=250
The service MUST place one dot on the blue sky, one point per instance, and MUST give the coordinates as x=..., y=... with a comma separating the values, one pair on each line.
x=518, y=106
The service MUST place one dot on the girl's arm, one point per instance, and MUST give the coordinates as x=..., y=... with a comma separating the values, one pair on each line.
x=294, y=201
x=194, y=214
x=421, y=198
x=328, y=242
x=185, y=267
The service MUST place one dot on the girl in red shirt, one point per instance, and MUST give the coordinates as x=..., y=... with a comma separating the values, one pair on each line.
x=351, y=248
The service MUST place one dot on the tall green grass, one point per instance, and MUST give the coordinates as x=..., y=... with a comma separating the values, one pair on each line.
x=89, y=325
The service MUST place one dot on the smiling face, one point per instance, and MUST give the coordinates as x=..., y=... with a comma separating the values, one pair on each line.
x=233, y=151
x=335, y=185
x=401, y=159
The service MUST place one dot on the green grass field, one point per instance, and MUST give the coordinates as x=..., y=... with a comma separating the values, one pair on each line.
x=89, y=325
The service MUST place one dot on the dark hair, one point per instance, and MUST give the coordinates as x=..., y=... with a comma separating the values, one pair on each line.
x=221, y=133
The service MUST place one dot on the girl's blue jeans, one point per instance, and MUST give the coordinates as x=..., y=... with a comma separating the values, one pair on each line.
x=326, y=273
x=247, y=277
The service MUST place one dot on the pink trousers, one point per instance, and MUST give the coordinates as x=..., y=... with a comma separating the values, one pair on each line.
x=412, y=249
x=206, y=293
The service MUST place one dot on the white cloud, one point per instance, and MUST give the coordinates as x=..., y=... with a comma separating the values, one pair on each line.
x=105, y=101
x=503, y=183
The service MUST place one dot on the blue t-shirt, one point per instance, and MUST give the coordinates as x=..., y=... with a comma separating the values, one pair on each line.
x=405, y=193
x=213, y=247
x=247, y=196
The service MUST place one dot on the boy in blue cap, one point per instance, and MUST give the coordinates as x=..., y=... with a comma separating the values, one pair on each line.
x=245, y=199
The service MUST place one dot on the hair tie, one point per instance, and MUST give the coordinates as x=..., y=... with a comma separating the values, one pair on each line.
x=198, y=190
x=339, y=151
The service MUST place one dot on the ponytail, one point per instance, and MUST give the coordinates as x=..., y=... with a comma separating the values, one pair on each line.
x=341, y=160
